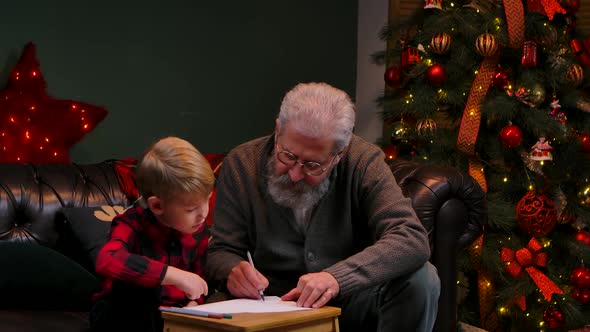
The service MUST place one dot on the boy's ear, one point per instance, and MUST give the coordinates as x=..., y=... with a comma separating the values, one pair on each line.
x=155, y=205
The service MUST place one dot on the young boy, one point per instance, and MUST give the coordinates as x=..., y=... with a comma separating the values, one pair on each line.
x=156, y=251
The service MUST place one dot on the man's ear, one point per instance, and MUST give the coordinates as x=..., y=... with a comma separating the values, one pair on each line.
x=155, y=205
x=277, y=126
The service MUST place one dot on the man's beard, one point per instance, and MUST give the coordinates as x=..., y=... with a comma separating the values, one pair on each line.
x=294, y=195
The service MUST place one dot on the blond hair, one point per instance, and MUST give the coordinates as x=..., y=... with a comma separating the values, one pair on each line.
x=173, y=166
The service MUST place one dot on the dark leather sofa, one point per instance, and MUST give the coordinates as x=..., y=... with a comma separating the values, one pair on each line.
x=46, y=283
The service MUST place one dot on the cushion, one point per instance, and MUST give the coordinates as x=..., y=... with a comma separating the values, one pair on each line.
x=37, y=277
x=91, y=226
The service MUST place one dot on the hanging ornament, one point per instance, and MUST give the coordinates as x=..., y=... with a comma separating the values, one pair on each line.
x=536, y=214
x=400, y=133
x=529, y=54
x=554, y=317
x=393, y=77
x=570, y=6
x=580, y=277
x=531, y=164
x=541, y=150
x=433, y=4
x=584, y=237
x=556, y=112
x=581, y=51
x=582, y=295
x=440, y=43
x=486, y=44
x=426, y=128
x=511, y=136
x=436, y=75
x=410, y=56
x=575, y=75
x=500, y=78
x=536, y=94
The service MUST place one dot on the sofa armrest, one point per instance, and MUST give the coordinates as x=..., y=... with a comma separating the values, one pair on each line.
x=431, y=187
x=453, y=209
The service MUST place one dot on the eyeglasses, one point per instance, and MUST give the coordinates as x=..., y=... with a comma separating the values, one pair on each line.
x=309, y=167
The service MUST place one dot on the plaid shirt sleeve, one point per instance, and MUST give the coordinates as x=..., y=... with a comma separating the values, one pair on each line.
x=117, y=262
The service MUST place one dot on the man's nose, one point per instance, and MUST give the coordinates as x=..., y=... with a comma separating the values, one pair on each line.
x=295, y=173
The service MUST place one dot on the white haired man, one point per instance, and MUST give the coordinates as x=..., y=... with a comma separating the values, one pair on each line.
x=325, y=220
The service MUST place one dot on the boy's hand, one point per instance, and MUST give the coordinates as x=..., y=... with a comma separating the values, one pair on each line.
x=191, y=284
x=313, y=290
x=245, y=281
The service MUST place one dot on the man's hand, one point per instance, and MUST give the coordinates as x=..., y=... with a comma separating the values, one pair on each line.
x=313, y=290
x=190, y=283
x=245, y=281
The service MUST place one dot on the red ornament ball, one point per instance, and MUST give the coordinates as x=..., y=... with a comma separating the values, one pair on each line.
x=436, y=75
x=584, y=142
x=553, y=316
x=583, y=237
x=536, y=214
x=580, y=277
x=393, y=77
x=581, y=295
x=511, y=136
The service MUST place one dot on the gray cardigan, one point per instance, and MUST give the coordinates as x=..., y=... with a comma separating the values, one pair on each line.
x=363, y=231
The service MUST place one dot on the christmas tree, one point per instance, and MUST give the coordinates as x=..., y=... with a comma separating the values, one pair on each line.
x=498, y=89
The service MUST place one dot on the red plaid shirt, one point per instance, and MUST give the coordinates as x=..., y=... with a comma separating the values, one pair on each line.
x=140, y=249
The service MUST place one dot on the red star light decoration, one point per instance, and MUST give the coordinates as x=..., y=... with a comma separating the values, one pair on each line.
x=34, y=127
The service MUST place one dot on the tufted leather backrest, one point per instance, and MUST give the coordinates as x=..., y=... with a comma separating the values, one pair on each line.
x=32, y=195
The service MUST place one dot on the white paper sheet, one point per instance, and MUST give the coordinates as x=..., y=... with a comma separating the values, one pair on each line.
x=270, y=304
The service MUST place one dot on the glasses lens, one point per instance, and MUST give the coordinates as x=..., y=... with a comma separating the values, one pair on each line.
x=311, y=168
x=286, y=158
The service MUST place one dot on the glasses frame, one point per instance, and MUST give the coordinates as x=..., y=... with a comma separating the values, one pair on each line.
x=296, y=161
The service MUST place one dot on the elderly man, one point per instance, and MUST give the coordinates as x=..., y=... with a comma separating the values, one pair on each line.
x=324, y=219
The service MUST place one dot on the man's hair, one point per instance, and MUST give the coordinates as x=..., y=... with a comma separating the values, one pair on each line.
x=319, y=110
x=173, y=166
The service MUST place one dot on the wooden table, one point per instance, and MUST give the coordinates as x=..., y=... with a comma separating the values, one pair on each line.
x=315, y=320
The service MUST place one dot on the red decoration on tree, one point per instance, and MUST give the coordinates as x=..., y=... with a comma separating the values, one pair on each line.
x=553, y=317
x=585, y=142
x=410, y=56
x=580, y=277
x=536, y=214
x=545, y=7
x=393, y=77
x=529, y=54
x=584, y=237
x=511, y=136
x=435, y=4
x=486, y=44
x=34, y=127
x=436, y=75
x=528, y=259
x=440, y=43
x=581, y=295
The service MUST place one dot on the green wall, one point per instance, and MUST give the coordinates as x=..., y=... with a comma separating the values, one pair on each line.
x=212, y=72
